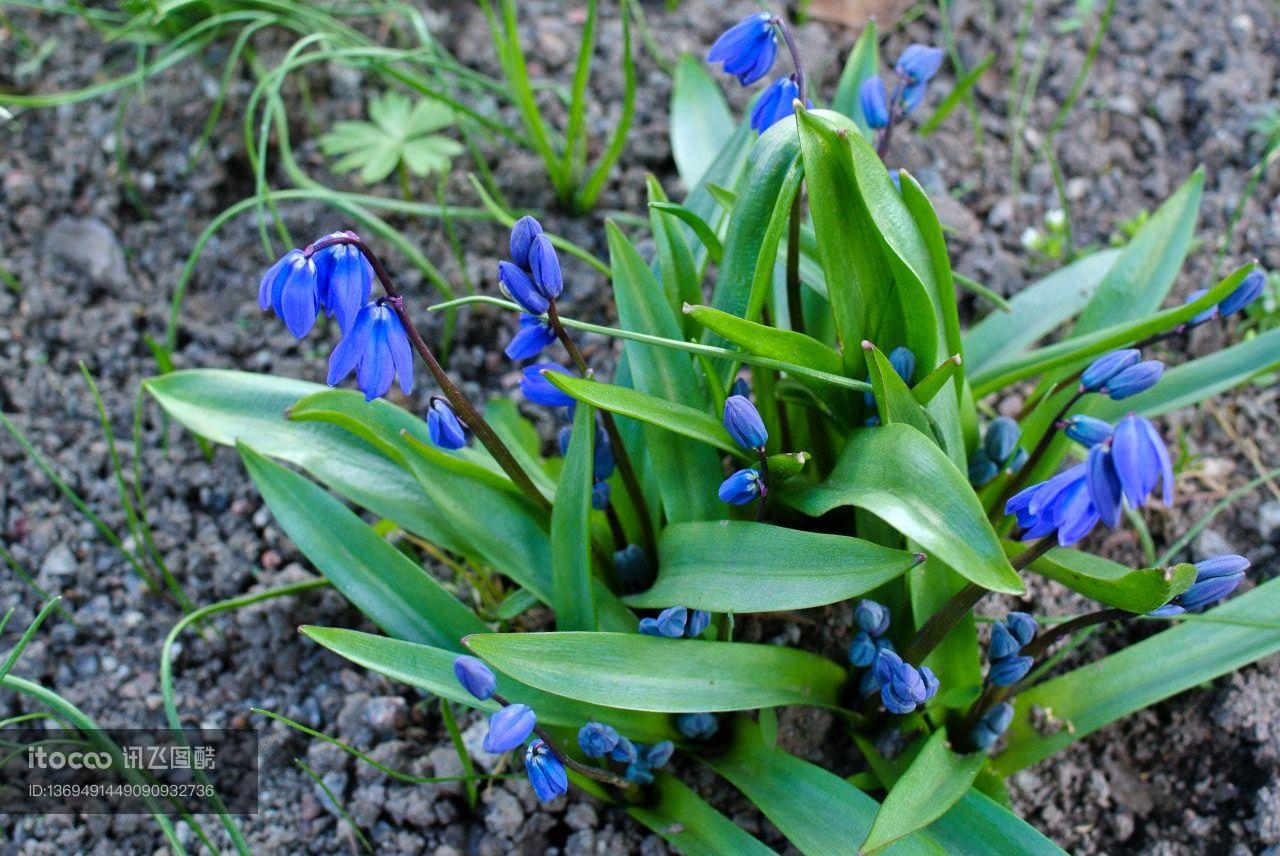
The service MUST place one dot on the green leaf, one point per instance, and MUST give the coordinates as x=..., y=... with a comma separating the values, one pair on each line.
x=935, y=781
x=894, y=401
x=685, y=820
x=572, y=583
x=766, y=341
x=701, y=122
x=383, y=583
x=957, y=94
x=903, y=478
x=431, y=669
x=930, y=229
x=1240, y=631
x=701, y=567
x=687, y=472
x=1109, y=582
x=979, y=826
x=924, y=391
x=665, y=675
x=674, y=264
x=863, y=63
x=706, y=236
x=660, y=412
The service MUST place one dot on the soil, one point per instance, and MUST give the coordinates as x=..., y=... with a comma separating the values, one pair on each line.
x=96, y=226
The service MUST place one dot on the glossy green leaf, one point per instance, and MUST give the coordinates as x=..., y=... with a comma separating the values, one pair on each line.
x=862, y=64
x=674, y=265
x=902, y=477
x=687, y=472
x=701, y=567
x=572, y=582
x=684, y=820
x=979, y=826
x=705, y=235
x=943, y=286
x=658, y=674
x=393, y=591
x=1111, y=583
x=934, y=381
x=894, y=402
x=935, y=781
x=660, y=412
x=431, y=669
x=766, y=341
x=701, y=122
x=1238, y=632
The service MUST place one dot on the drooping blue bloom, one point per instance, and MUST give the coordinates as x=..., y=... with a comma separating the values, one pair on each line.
x=535, y=334
x=624, y=752
x=981, y=468
x=547, y=775
x=871, y=616
x=1007, y=640
x=743, y=422
x=597, y=739
x=539, y=390
x=1010, y=670
x=1019, y=459
x=1215, y=579
x=518, y=285
x=291, y=289
x=1104, y=484
x=1022, y=626
x=1134, y=379
x=1061, y=504
x=776, y=103
x=993, y=723
x=632, y=568
x=345, y=280
x=1088, y=430
x=740, y=387
x=1204, y=315
x=1001, y=439
x=741, y=487
x=1141, y=459
x=1106, y=367
x=904, y=364
x=699, y=620
x=544, y=265
x=864, y=648
x=697, y=726
x=522, y=235
x=475, y=677
x=600, y=496
x=640, y=772
x=903, y=687
x=660, y=753
x=377, y=350
x=672, y=621
x=1003, y=643
x=918, y=63
x=875, y=103
x=602, y=455
x=509, y=728
x=747, y=49
x=1245, y=293
x=443, y=425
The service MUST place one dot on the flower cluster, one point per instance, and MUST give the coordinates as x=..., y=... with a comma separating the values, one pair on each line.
x=1215, y=579
x=748, y=51
x=743, y=422
x=1249, y=290
x=917, y=65
x=1008, y=638
x=1121, y=374
x=873, y=623
x=902, y=687
x=598, y=740
x=992, y=724
x=675, y=622
x=999, y=451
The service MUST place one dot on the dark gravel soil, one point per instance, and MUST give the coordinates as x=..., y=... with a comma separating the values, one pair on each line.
x=1176, y=85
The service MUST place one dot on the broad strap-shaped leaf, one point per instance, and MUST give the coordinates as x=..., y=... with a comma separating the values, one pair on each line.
x=766, y=341
x=673, y=264
x=701, y=123
x=1108, y=582
x=684, y=820
x=1240, y=631
x=930, y=229
x=935, y=781
x=431, y=669
x=641, y=672
x=894, y=401
x=934, y=381
x=902, y=477
x=572, y=581
x=394, y=592
x=701, y=566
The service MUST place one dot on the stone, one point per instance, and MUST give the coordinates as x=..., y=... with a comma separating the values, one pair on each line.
x=89, y=247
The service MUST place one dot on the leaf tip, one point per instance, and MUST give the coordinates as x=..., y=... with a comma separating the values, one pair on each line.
x=867, y=346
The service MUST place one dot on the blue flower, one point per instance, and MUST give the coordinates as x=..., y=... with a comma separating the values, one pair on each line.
x=475, y=677
x=918, y=63
x=624, y=752
x=903, y=687
x=1133, y=380
x=547, y=775
x=863, y=649
x=291, y=289
x=1007, y=640
x=1215, y=579
x=602, y=455
x=1022, y=626
x=871, y=616
x=981, y=468
x=345, y=280
x=522, y=235
x=632, y=568
x=697, y=726
x=639, y=772
x=1245, y=293
x=539, y=390
x=740, y=387
x=535, y=334
x=1106, y=367
x=1061, y=504
x=509, y=728
x=669, y=623
x=874, y=102
x=1010, y=670
x=904, y=364
x=1104, y=484
x=747, y=49
x=1002, y=439
x=1003, y=643
x=992, y=724
x=741, y=487
x=1141, y=459
x=519, y=286
x=377, y=350
x=1088, y=430
x=1204, y=315
x=699, y=620
x=776, y=103
x=659, y=754
x=600, y=496
x=443, y=426
x=742, y=421
x=597, y=739
x=544, y=265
